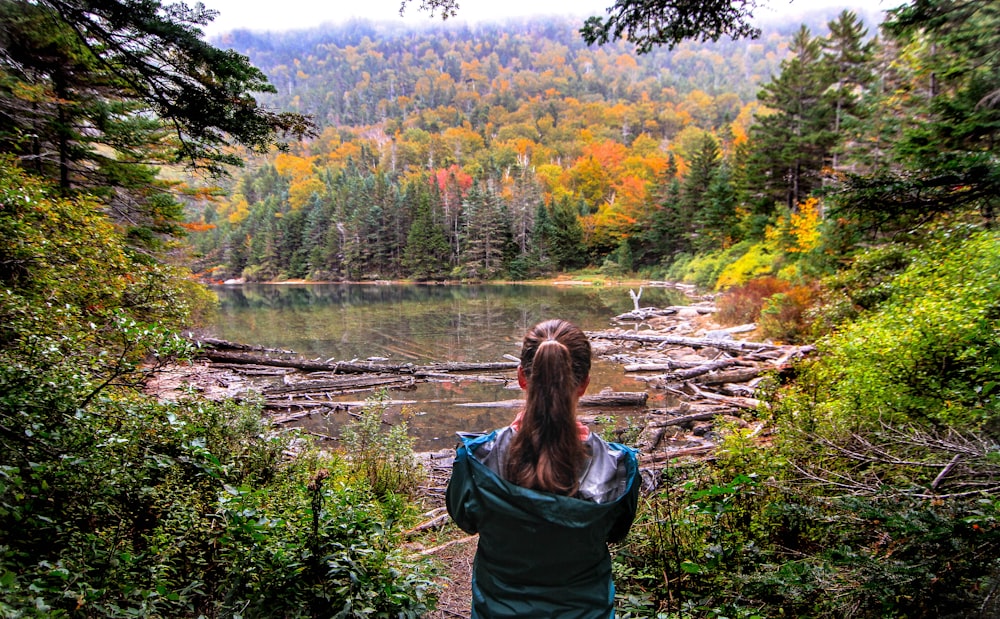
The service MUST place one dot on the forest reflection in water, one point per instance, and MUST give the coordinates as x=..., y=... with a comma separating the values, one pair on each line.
x=420, y=324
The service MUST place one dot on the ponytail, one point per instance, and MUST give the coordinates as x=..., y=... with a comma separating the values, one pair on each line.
x=546, y=453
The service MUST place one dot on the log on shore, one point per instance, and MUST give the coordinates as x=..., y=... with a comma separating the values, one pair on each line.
x=607, y=399
x=734, y=401
x=733, y=376
x=338, y=384
x=306, y=365
x=731, y=346
x=703, y=369
x=456, y=366
x=333, y=405
x=350, y=367
x=661, y=365
x=653, y=458
x=730, y=331
x=219, y=344
x=686, y=420
x=645, y=313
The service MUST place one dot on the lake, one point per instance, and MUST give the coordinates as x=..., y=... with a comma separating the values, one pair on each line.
x=421, y=323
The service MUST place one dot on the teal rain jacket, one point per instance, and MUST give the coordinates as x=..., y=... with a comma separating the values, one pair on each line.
x=542, y=555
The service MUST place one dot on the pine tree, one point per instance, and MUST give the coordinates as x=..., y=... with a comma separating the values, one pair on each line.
x=695, y=199
x=848, y=58
x=659, y=235
x=541, y=237
x=793, y=142
x=426, y=253
x=566, y=243
x=96, y=94
x=944, y=157
x=717, y=221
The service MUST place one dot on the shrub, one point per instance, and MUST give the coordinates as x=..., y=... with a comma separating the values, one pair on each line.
x=930, y=354
x=704, y=269
x=385, y=459
x=785, y=315
x=115, y=505
x=742, y=304
x=758, y=261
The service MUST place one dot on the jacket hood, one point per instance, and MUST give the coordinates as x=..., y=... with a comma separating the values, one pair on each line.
x=607, y=478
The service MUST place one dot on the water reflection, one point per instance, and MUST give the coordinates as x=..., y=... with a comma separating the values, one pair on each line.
x=419, y=324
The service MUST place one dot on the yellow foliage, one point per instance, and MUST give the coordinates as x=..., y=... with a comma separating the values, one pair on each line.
x=294, y=167
x=238, y=209
x=798, y=232
x=299, y=193
x=760, y=260
x=805, y=226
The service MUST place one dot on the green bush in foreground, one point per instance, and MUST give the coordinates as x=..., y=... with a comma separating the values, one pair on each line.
x=115, y=505
x=876, y=495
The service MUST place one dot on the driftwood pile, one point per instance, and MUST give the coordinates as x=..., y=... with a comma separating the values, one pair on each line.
x=294, y=387
x=709, y=375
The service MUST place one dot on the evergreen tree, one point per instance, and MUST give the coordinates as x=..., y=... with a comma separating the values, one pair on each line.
x=717, y=221
x=793, y=142
x=541, y=237
x=848, y=58
x=487, y=236
x=695, y=199
x=97, y=93
x=566, y=243
x=660, y=233
x=426, y=253
x=944, y=154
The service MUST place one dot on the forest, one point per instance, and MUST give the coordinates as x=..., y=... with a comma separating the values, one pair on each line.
x=834, y=182
x=509, y=152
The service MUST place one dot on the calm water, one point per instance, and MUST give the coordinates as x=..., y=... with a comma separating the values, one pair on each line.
x=420, y=324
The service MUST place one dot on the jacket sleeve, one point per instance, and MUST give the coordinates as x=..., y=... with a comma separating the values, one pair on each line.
x=628, y=503
x=461, y=495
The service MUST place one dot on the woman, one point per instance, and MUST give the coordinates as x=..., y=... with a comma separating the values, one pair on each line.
x=545, y=494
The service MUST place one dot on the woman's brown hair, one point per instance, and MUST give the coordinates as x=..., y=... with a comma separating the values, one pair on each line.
x=546, y=453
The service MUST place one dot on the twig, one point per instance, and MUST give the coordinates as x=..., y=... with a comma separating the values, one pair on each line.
x=944, y=472
x=434, y=549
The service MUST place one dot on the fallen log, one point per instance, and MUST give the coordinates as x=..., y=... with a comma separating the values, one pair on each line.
x=676, y=453
x=455, y=366
x=702, y=369
x=689, y=419
x=661, y=365
x=254, y=370
x=645, y=313
x=446, y=377
x=687, y=408
x=331, y=404
x=336, y=367
x=219, y=344
x=350, y=367
x=606, y=399
x=738, y=402
x=338, y=384
x=730, y=331
x=732, y=346
x=734, y=376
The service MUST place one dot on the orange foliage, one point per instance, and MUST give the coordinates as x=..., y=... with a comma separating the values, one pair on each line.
x=742, y=304
x=194, y=226
x=785, y=316
x=292, y=166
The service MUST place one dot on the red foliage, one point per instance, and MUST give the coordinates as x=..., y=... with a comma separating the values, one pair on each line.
x=453, y=177
x=742, y=304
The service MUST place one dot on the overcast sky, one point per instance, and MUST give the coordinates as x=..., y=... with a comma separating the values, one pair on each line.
x=297, y=14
